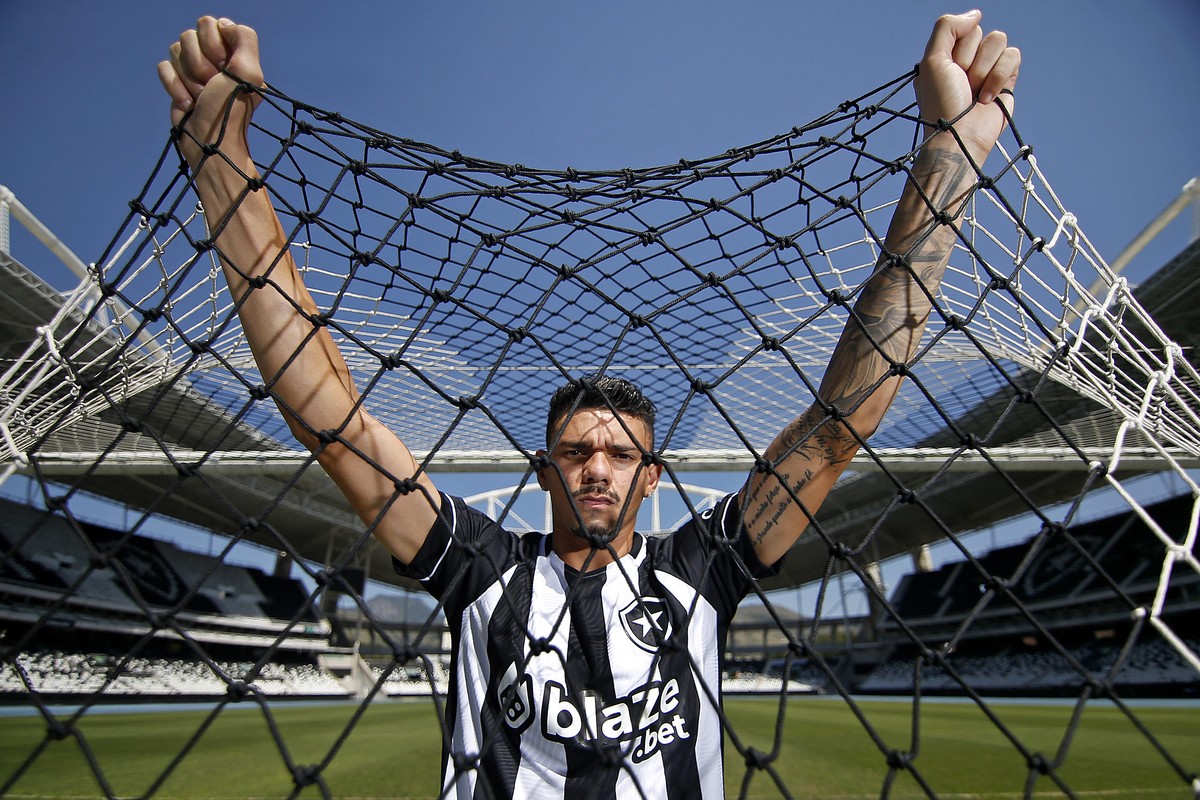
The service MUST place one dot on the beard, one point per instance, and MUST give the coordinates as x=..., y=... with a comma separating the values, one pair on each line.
x=597, y=533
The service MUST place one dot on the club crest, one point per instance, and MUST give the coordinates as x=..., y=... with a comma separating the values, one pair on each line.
x=647, y=622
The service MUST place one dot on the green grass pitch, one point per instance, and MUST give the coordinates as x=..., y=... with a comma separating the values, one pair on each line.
x=393, y=751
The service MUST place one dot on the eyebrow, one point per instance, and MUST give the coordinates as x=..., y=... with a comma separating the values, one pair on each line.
x=581, y=445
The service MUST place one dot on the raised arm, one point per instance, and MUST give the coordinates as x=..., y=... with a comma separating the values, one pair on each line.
x=299, y=361
x=960, y=65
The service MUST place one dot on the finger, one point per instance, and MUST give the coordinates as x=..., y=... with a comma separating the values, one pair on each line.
x=986, y=58
x=192, y=87
x=197, y=67
x=966, y=49
x=181, y=98
x=241, y=41
x=948, y=29
x=1003, y=75
x=211, y=44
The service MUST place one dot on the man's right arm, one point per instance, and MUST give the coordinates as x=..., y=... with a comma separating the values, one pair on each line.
x=298, y=359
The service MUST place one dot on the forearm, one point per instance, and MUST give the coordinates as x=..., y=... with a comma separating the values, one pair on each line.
x=298, y=360
x=893, y=307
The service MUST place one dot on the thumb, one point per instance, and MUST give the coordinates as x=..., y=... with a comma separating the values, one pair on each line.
x=241, y=42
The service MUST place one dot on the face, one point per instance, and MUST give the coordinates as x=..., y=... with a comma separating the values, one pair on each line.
x=602, y=481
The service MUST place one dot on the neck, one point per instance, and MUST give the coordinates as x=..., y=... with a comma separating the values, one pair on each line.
x=583, y=556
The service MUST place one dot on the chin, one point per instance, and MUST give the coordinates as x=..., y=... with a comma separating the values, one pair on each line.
x=597, y=531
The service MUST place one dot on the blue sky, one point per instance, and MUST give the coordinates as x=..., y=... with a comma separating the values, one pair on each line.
x=1108, y=95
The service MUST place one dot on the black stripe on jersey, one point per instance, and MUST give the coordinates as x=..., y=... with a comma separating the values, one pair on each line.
x=591, y=766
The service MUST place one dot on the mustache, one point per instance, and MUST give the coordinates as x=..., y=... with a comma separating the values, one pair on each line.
x=600, y=491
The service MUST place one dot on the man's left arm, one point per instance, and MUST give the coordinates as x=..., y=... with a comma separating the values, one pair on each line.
x=960, y=66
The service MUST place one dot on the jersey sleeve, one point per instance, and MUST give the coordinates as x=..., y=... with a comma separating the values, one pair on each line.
x=464, y=553
x=712, y=552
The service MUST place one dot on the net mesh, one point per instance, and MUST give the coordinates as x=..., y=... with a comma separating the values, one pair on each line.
x=459, y=288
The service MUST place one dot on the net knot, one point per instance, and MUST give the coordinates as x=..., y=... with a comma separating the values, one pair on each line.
x=955, y=322
x=999, y=282
x=327, y=436
x=539, y=462
x=307, y=217
x=357, y=167
x=757, y=759
x=700, y=386
x=257, y=281
x=841, y=550
x=131, y=425
x=899, y=369
x=517, y=334
x=899, y=759
x=488, y=240
x=439, y=296
x=771, y=344
x=305, y=774
x=406, y=486
x=469, y=402
x=835, y=296
x=406, y=653
x=539, y=645
x=259, y=392
x=465, y=763
x=650, y=459
x=1038, y=762
x=57, y=731
x=637, y=321
x=906, y=496
x=238, y=691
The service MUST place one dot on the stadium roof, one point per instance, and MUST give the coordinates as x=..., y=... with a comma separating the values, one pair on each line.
x=246, y=473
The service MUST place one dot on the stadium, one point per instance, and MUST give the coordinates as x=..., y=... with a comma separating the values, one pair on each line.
x=1006, y=578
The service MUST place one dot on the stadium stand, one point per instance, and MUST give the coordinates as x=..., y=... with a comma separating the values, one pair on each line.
x=1088, y=591
x=236, y=612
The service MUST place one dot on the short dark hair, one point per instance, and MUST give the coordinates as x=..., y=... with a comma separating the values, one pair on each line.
x=599, y=391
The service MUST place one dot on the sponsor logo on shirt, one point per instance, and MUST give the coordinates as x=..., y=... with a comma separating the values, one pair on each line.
x=515, y=692
x=646, y=719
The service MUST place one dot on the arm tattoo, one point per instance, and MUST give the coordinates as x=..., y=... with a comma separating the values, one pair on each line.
x=884, y=329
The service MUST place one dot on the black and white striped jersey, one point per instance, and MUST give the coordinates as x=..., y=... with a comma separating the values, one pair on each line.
x=603, y=684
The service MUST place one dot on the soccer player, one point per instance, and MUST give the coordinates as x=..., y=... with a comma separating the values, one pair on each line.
x=586, y=660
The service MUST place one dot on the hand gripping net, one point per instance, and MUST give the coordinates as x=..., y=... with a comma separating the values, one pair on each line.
x=462, y=291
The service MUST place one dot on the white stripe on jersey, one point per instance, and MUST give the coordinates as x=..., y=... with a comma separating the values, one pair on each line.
x=473, y=673
x=703, y=650
x=631, y=668
x=544, y=762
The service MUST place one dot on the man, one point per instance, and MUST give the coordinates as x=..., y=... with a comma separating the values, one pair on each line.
x=586, y=660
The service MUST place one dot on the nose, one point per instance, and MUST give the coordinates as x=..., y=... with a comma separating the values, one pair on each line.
x=596, y=468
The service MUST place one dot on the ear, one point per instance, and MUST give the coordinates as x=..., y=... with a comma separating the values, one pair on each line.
x=653, y=473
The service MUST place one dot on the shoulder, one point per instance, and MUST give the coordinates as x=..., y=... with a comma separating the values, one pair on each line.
x=462, y=538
